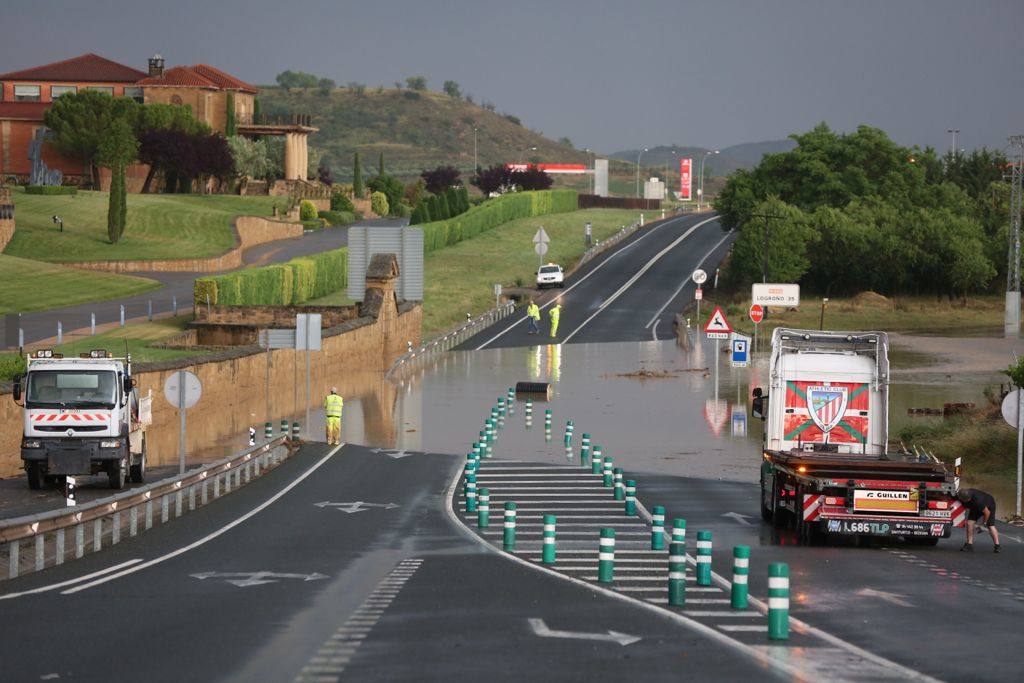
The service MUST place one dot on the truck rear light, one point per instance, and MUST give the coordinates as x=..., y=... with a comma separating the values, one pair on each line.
x=835, y=500
x=938, y=505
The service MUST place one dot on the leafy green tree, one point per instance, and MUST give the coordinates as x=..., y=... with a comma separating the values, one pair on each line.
x=419, y=214
x=117, y=149
x=442, y=205
x=452, y=89
x=325, y=86
x=1016, y=373
x=252, y=158
x=379, y=203
x=390, y=186
x=357, y=177
x=296, y=79
x=416, y=83
x=789, y=240
x=80, y=122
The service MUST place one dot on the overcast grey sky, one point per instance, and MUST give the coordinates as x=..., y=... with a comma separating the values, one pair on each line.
x=609, y=75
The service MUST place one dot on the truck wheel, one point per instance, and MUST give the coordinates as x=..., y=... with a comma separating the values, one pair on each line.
x=34, y=472
x=117, y=473
x=138, y=470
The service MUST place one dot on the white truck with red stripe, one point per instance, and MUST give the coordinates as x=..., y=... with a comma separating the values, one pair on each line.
x=828, y=467
x=82, y=416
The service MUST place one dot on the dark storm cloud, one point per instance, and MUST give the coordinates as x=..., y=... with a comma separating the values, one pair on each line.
x=609, y=75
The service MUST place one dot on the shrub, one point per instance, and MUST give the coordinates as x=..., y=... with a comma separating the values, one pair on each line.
x=11, y=365
x=338, y=217
x=307, y=210
x=294, y=282
x=419, y=214
x=379, y=203
x=340, y=202
x=357, y=177
x=51, y=189
x=444, y=211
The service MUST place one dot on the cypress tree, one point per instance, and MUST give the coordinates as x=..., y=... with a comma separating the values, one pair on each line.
x=443, y=207
x=417, y=215
x=255, y=110
x=117, y=208
x=230, y=126
x=357, y=177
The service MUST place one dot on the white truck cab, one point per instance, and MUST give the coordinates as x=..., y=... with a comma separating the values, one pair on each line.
x=82, y=416
x=550, y=275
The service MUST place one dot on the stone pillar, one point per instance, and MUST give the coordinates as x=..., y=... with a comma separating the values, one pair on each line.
x=302, y=139
x=289, y=157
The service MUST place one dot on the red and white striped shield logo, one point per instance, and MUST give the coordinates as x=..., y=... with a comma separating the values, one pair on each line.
x=827, y=405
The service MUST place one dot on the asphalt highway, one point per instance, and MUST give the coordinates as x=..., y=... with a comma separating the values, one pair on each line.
x=629, y=293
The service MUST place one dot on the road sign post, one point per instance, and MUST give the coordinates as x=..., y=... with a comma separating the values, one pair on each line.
x=1012, y=407
x=717, y=328
x=182, y=390
x=756, y=316
x=699, y=277
x=740, y=350
x=307, y=338
x=540, y=244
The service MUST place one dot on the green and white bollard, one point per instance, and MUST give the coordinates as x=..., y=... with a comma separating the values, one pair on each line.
x=703, y=558
x=548, y=550
x=511, y=401
x=606, y=556
x=509, y=538
x=547, y=419
x=677, y=575
x=740, y=570
x=268, y=430
x=608, y=472
x=658, y=528
x=470, y=493
x=585, y=450
x=630, y=498
x=778, y=601
x=284, y=427
x=679, y=531
x=529, y=413
x=620, y=488
x=296, y=431
x=476, y=450
x=501, y=406
x=596, y=463
x=483, y=510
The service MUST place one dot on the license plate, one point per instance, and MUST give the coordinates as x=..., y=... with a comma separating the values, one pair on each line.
x=893, y=528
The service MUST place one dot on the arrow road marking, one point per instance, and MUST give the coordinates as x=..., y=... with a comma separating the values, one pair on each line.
x=892, y=598
x=396, y=454
x=245, y=579
x=541, y=629
x=356, y=506
x=742, y=519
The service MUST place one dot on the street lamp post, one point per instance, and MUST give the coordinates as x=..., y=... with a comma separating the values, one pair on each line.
x=954, y=132
x=667, y=163
x=592, y=174
x=476, y=164
x=638, y=156
x=700, y=187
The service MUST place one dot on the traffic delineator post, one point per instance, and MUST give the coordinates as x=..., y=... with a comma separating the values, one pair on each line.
x=547, y=419
x=284, y=427
x=778, y=601
x=608, y=471
x=740, y=570
x=658, y=528
x=630, y=498
x=703, y=558
x=509, y=537
x=471, y=492
x=483, y=510
x=268, y=430
x=606, y=556
x=511, y=402
x=529, y=413
x=677, y=575
x=585, y=450
x=679, y=531
x=548, y=549
x=620, y=488
x=596, y=462
x=296, y=431
x=501, y=406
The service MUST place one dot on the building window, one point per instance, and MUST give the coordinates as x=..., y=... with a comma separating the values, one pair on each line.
x=176, y=99
x=27, y=93
x=58, y=90
x=109, y=90
x=134, y=93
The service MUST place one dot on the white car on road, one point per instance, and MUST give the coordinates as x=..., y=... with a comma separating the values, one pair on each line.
x=550, y=275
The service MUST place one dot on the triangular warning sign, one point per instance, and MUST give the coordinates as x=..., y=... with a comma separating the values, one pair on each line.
x=718, y=323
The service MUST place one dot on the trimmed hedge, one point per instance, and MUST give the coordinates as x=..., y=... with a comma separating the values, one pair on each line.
x=338, y=217
x=291, y=283
x=51, y=189
x=493, y=213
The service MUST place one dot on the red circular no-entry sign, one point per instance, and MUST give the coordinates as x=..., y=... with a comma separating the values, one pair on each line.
x=757, y=313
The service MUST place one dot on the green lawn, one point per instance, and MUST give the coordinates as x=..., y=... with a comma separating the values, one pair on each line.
x=159, y=226
x=28, y=285
x=139, y=337
x=460, y=279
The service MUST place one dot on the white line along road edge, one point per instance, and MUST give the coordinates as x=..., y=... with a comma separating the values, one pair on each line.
x=621, y=250
x=636, y=276
x=205, y=539
x=69, y=582
x=685, y=282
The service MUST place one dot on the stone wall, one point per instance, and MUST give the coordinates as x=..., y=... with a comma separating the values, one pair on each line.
x=273, y=316
x=249, y=232
x=354, y=358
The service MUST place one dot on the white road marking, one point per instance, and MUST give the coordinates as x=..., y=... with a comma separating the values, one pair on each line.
x=541, y=629
x=720, y=613
x=636, y=276
x=70, y=582
x=583, y=279
x=654, y=331
x=657, y=316
x=744, y=628
x=209, y=537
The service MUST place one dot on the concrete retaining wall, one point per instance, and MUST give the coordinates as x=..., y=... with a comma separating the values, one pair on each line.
x=249, y=232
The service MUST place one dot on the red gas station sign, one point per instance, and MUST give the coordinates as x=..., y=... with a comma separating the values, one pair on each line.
x=685, y=179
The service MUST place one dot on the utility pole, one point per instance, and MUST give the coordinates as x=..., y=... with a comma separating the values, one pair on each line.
x=764, y=250
x=1011, y=320
x=476, y=164
x=638, y=157
x=954, y=132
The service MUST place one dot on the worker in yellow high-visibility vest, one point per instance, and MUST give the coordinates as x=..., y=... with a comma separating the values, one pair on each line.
x=533, y=317
x=333, y=406
x=555, y=313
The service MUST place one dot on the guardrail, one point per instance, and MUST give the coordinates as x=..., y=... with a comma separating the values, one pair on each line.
x=95, y=525
x=452, y=338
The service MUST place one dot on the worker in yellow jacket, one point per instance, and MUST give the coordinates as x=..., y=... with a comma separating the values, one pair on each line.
x=333, y=407
x=555, y=313
x=533, y=317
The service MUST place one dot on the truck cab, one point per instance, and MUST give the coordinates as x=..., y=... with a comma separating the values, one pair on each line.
x=81, y=416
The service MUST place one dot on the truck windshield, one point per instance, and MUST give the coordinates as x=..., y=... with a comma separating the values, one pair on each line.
x=71, y=389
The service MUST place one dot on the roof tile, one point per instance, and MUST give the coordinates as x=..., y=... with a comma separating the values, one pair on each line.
x=84, y=68
x=181, y=77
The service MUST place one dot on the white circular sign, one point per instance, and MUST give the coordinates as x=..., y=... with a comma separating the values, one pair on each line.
x=541, y=248
x=699, y=276
x=193, y=388
x=1009, y=408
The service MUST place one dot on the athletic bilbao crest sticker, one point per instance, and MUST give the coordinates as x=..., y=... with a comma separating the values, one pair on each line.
x=827, y=405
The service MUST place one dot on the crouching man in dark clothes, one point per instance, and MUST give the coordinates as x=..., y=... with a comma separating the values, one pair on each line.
x=981, y=507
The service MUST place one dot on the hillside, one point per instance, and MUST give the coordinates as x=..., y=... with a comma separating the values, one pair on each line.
x=414, y=129
x=729, y=159
x=749, y=154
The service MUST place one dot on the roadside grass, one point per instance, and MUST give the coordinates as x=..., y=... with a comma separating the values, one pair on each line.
x=159, y=226
x=334, y=299
x=867, y=311
x=460, y=279
x=27, y=285
x=138, y=336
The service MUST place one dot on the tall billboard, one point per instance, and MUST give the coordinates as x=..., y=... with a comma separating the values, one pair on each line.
x=685, y=179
